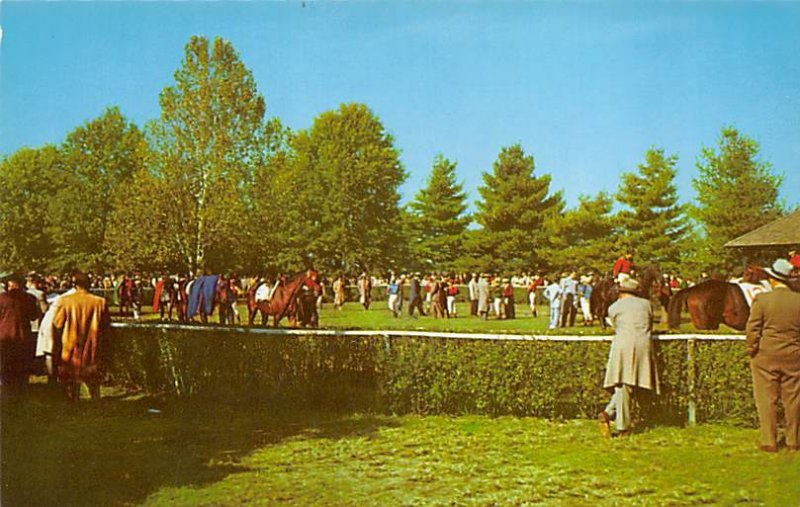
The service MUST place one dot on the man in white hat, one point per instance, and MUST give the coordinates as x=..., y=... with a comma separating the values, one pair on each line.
x=631, y=360
x=773, y=342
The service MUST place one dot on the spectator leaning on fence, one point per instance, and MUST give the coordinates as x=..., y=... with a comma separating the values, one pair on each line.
x=631, y=360
x=773, y=342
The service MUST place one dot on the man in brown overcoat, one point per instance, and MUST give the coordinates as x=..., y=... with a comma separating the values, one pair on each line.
x=83, y=321
x=773, y=342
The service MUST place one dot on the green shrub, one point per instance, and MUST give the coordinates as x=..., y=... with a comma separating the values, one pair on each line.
x=422, y=375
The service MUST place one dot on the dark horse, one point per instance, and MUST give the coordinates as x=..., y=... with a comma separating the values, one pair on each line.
x=282, y=304
x=125, y=296
x=606, y=291
x=715, y=302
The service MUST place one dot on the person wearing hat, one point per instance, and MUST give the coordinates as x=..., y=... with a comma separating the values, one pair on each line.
x=18, y=310
x=631, y=360
x=773, y=343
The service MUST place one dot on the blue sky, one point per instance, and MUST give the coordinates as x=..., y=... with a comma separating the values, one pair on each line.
x=586, y=87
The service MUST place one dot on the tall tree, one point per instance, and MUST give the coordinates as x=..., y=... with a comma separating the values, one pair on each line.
x=584, y=237
x=205, y=140
x=438, y=218
x=653, y=223
x=99, y=160
x=28, y=185
x=344, y=196
x=515, y=205
x=275, y=218
x=736, y=193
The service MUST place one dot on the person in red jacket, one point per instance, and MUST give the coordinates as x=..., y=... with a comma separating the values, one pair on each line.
x=623, y=265
x=794, y=259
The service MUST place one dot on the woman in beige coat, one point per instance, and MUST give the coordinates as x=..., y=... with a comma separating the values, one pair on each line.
x=631, y=360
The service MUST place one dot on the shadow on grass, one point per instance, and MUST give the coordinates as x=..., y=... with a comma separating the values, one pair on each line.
x=122, y=449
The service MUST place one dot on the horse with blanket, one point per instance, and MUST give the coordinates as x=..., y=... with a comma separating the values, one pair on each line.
x=714, y=302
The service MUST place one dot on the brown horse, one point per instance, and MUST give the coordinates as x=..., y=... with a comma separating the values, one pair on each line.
x=715, y=302
x=710, y=304
x=283, y=302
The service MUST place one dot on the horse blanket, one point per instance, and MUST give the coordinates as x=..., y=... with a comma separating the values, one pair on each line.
x=751, y=290
x=204, y=288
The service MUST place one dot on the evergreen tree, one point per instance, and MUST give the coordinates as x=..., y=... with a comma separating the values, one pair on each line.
x=736, y=193
x=438, y=218
x=514, y=208
x=583, y=238
x=653, y=224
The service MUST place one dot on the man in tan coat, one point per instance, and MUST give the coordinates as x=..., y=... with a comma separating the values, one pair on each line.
x=773, y=342
x=83, y=321
x=631, y=359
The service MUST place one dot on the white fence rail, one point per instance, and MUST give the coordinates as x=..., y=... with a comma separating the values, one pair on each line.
x=416, y=333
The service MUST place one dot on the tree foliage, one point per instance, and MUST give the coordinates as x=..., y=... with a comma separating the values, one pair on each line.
x=653, y=222
x=514, y=208
x=205, y=143
x=736, y=193
x=438, y=219
x=584, y=237
x=99, y=160
x=343, y=203
x=28, y=182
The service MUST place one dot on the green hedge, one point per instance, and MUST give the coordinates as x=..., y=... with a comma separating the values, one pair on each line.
x=422, y=375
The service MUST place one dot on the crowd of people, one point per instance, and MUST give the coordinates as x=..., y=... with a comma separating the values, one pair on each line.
x=68, y=333
x=61, y=322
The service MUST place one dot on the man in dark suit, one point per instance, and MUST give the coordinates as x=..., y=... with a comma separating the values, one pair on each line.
x=415, y=296
x=773, y=342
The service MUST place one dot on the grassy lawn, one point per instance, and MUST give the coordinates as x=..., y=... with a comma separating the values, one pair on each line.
x=353, y=316
x=122, y=452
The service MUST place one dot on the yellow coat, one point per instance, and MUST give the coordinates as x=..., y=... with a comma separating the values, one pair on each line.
x=84, y=321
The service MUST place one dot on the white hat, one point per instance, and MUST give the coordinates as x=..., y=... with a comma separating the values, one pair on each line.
x=781, y=270
x=628, y=285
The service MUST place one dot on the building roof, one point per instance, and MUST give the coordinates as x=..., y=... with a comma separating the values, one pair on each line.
x=783, y=231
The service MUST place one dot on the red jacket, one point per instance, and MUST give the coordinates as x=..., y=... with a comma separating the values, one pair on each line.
x=622, y=265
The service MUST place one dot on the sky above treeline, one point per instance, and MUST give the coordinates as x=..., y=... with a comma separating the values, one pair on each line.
x=586, y=87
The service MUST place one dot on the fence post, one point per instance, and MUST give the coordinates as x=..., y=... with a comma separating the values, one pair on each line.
x=691, y=371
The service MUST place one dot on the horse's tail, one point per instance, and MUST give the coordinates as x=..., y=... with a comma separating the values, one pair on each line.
x=675, y=307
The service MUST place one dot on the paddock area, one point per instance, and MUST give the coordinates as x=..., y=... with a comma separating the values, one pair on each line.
x=142, y=450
